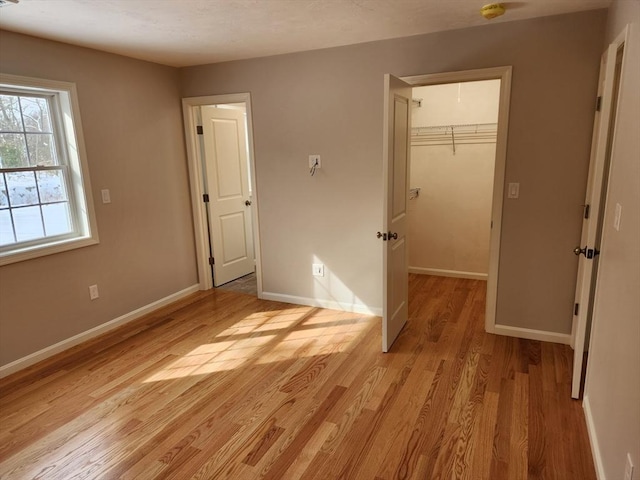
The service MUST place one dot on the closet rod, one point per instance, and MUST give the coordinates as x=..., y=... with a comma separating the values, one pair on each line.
x=449, y=143
x=458, y=137
x=461, y=134
x=459, y=125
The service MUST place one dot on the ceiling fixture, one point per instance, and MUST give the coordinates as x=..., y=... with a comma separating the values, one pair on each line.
x=6, y=3
x=492, y=10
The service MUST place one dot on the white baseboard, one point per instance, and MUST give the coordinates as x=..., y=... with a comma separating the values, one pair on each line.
x=530, y=334
x=593, y=439
x=314, y=302
x=448, y=273
x=47, y=352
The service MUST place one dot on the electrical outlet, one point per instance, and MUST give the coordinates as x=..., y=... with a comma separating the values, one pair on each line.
x=314, y=160
x=628, y=469
x=318, y=270
x=93, y=292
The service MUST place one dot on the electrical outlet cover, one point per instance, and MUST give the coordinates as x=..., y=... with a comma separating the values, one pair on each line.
x=318, y=270
x=93, y=292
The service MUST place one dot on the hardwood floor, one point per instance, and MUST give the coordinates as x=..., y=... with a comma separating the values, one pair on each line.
x=224, y=385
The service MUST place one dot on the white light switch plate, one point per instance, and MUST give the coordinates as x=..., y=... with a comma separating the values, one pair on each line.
x=514, y=190
x=618, y=216
x=106, y=196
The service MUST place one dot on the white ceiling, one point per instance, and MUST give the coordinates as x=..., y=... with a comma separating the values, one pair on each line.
x=192, y=32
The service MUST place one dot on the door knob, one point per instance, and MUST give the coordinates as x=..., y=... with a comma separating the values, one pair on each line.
x=393, y=235
x=247, y=202
x=382, y=235
x=587, y=252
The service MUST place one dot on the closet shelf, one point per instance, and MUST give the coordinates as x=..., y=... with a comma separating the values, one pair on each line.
x=463, y=134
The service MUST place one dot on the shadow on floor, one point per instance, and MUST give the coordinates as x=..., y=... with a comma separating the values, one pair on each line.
x=246, y=284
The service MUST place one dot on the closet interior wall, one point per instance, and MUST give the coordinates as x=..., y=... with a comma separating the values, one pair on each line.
x=452, y=165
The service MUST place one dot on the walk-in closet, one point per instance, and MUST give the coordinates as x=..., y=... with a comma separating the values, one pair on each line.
x=453, y=150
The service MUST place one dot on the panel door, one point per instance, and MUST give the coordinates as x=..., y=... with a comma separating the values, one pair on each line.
x=594, y=202
x=227, y=183
x=396, y=142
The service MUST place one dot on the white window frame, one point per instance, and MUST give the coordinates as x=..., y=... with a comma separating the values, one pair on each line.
x=67, y=129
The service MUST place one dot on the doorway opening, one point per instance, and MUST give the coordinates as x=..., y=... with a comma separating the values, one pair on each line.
x=220, y=151
x=457, y=171
x=454, y=130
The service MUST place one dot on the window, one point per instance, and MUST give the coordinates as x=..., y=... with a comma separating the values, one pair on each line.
x=45, y=196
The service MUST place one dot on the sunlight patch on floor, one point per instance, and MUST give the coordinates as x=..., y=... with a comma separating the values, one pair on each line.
x=268, y=337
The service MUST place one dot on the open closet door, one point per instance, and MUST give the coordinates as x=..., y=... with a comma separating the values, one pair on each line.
x=594, y=207
x=397, y=130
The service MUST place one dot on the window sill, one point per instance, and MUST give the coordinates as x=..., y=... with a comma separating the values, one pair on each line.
x=29, y=253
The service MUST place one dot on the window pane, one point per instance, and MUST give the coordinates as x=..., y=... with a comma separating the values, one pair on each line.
x=28, y=222
x=6, y=230
x=13, y=151
x=4, y=199
x=41, y=151
x=22, y=188
x=10, y=118
x=35, y=112
x=51, y=186
x=57, y=219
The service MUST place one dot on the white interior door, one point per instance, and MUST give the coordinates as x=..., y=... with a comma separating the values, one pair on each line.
x=592, y=223
x=397, y=129
x=227, y=183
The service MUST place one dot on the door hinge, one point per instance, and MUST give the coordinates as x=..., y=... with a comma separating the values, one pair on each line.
x=199, y=130
x=576, y=307
x=598, y=104
x=587, y=208
x=205, y=198
x=212, y=261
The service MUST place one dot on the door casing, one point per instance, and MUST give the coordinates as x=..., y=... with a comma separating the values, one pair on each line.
x=504, y=75
x=190, y=107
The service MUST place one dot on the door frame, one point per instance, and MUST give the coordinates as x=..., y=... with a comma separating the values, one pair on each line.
x=503, y=74
x=190, y=106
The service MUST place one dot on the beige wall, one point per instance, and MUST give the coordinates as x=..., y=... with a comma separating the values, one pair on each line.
x=612, y=391
x=449, y=221
x=329, y=102
x=131, y=116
